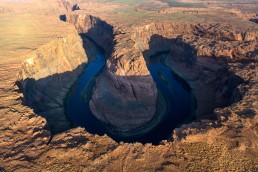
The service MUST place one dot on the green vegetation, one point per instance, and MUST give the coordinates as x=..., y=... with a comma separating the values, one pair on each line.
x=175, y=3
x=147, y=4
x=137, y=17
x=163, y=77
x=126, y=1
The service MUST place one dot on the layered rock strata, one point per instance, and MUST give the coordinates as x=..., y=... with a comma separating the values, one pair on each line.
x=46, y=76
x=125, y=96
x=94, y=28
x=198, y=53
x=228, y=143
x=191, y=47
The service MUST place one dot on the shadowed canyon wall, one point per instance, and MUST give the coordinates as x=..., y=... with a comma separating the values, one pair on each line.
x=127, y=81
x=46, y=76
x=228, y=143
x=196, y=57
x=125, y=95
x=94, y=28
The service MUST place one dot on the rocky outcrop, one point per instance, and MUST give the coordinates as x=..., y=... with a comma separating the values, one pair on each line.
x=227, y=143
x=94, y=28
x=126, y=69
x=125, y=94
x=191, y=47
x=219, y=40
x=126, y=73
x=46, y=76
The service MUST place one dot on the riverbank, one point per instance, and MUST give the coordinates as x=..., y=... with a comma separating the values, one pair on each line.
x=205, y=94
x=160, y=127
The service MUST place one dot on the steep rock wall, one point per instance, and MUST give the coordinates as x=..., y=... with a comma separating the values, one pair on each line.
x=125, y=95
x=94, y=28
x=220, y=40
x=227, y=144
x=126, y=78
x=47, y=74
x=196, y=51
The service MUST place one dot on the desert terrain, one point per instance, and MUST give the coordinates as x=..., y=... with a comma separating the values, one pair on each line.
x=126, y=85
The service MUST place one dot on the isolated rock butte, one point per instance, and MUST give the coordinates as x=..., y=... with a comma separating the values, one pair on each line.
x=125, y=95
x=226, y=144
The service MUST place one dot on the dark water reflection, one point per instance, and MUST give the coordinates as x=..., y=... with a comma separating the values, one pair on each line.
x=176, y=93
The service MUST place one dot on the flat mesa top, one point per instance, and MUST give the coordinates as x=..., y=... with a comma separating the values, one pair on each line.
x=21, y=34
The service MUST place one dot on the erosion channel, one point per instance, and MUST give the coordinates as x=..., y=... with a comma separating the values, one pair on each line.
x=174, y=104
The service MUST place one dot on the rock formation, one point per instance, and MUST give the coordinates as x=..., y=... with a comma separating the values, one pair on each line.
x=126, y=94
x=126, y=72
x=94, y=28
x=223, y=54
x=46, y=76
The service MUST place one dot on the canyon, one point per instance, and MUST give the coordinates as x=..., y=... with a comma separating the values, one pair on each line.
x=43, y=58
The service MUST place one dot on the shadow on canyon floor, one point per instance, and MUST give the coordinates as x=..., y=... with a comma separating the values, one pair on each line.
x=222, y=82
x=176, y=48
x=46, y=96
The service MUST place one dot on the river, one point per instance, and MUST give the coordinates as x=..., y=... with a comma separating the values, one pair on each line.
x=175, y=91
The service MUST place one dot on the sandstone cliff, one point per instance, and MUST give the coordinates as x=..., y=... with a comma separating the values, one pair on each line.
x=191, y=46
x=127, y=80
x=216, y=39
x=125, y=95
x=94, y=28
x=226, y=143
x=46, y=76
